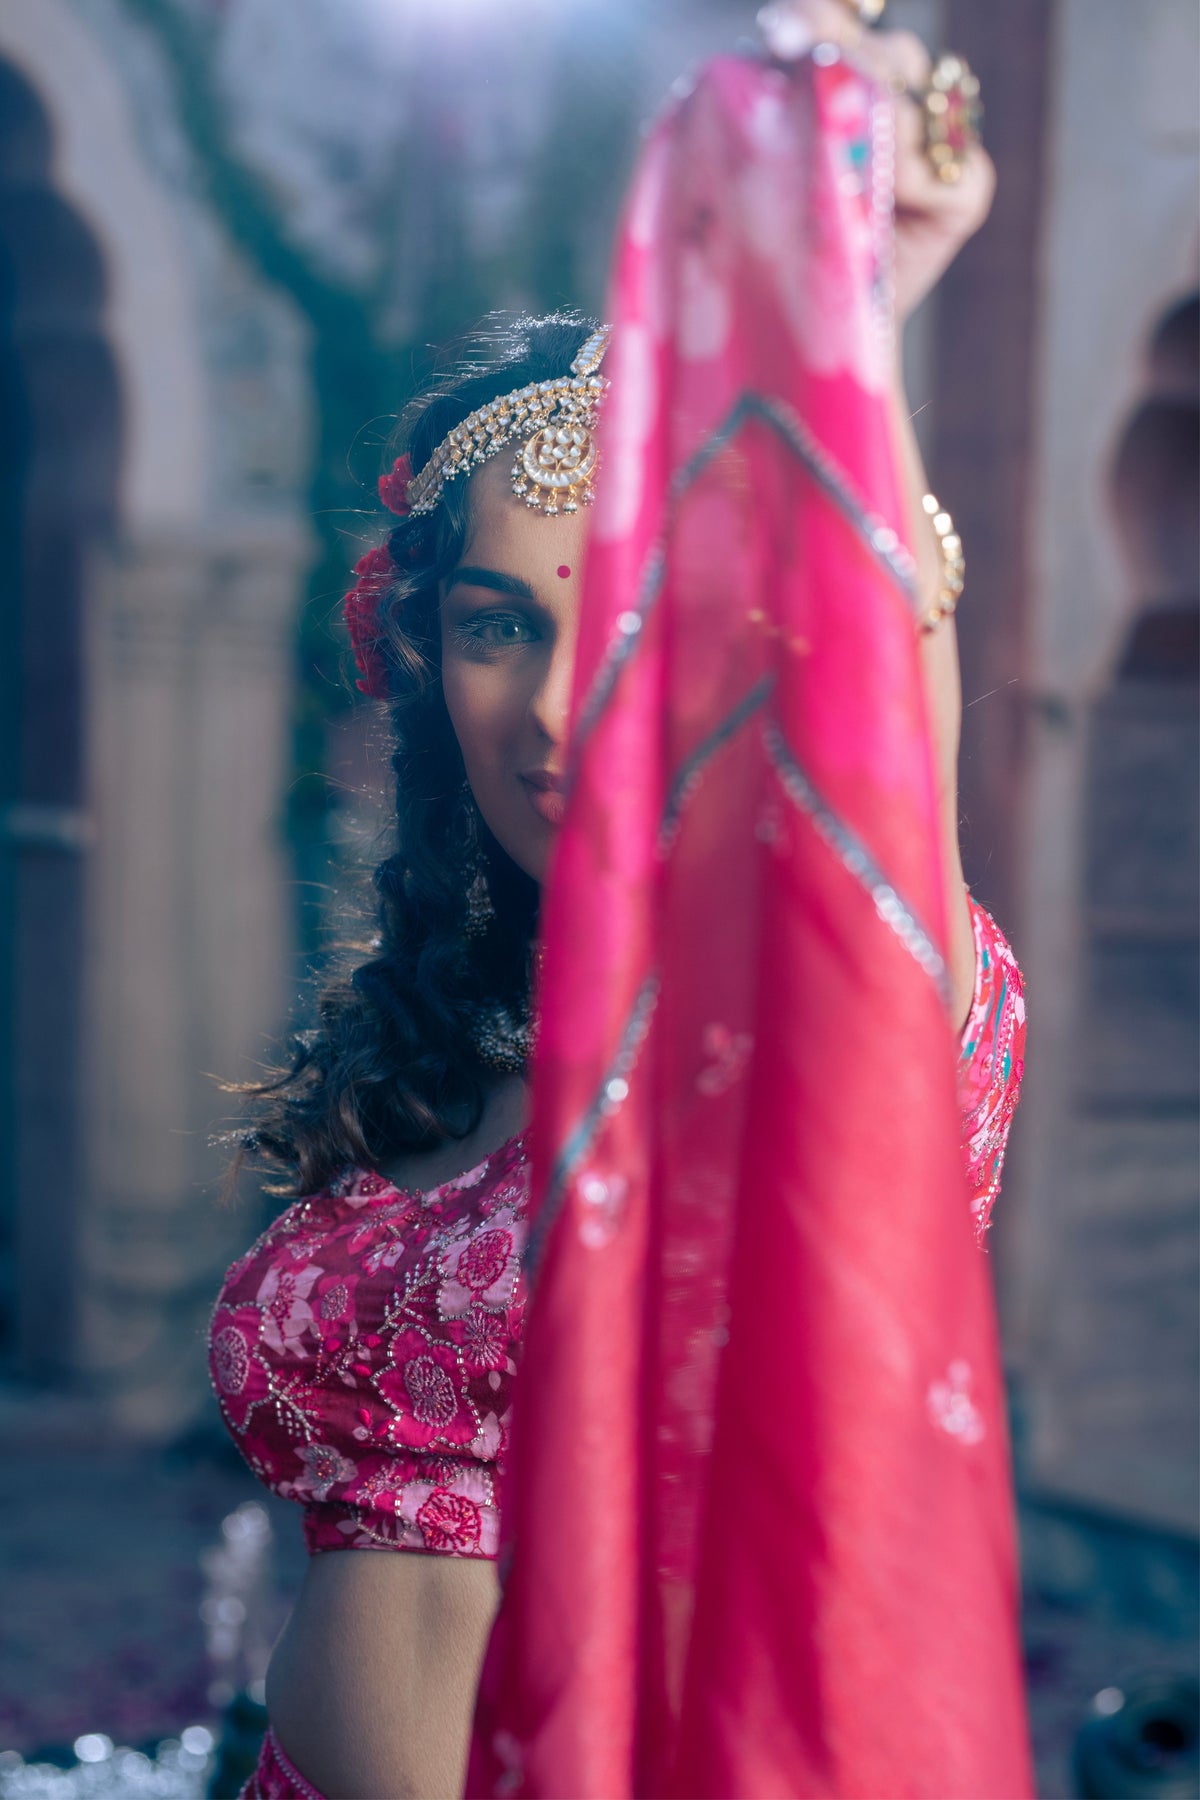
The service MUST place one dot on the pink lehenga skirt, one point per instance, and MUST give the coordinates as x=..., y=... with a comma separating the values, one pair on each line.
x=276, y=1776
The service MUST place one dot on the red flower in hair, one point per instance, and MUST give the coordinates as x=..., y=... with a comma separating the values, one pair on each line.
x=360, y=609
x=392, y=487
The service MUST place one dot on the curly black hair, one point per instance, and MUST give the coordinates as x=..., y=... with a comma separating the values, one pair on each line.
x=391, y=1065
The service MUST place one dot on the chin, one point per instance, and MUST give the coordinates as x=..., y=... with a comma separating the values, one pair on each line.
x=528, y=847
x=535, y=858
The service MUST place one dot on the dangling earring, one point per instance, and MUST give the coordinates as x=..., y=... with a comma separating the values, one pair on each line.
x=506, y=1039
x=480, y=911
x=501, y=1041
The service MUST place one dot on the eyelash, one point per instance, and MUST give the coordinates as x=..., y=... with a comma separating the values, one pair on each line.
x=470, y=636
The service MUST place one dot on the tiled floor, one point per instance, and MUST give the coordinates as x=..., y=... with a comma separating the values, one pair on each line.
x=101, y=1626
x=1106, y=1606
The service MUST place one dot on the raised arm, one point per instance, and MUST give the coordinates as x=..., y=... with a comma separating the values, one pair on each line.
x=943, y=687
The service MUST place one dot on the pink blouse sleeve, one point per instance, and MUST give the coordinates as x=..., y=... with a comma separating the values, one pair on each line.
x=991, y=1062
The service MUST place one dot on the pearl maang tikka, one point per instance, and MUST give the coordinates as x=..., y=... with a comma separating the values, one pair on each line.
x=555, y=424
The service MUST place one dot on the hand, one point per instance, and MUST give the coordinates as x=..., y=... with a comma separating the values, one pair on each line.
x=934, y=218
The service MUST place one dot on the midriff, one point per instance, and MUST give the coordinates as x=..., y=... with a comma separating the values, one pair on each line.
x=371, y=1686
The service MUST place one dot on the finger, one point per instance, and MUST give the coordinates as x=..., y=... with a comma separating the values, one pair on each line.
x=901, y=59
x=917, y=184
x=919, y=189
x=917, y=180
x=898, y=58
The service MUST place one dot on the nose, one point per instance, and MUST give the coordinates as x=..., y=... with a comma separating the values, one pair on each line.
x=550, y=704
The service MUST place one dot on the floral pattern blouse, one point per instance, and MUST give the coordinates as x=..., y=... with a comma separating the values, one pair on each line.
x=363, y=1350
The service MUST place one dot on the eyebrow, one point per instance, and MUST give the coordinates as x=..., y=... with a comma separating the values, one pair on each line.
x=468, y=576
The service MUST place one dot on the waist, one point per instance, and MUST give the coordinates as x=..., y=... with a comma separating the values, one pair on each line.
x=395, y=1641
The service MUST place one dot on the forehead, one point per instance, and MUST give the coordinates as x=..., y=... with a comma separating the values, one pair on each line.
x=503, y=533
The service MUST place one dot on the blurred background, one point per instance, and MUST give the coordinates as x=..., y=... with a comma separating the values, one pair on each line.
x=229, y=232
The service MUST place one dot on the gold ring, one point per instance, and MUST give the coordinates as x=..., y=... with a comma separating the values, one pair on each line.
x=867, y=12
x=953, y=114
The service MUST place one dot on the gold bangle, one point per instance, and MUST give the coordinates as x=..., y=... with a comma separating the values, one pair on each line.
x=953, y=566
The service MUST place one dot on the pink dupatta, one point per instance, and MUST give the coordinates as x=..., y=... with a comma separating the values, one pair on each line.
x=748, y=1552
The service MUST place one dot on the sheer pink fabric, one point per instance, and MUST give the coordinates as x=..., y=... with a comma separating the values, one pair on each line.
x=757, y=1525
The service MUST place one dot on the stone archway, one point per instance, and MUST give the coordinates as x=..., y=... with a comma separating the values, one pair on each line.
x=1118, y=1378
x=60, y=451
x=1142, y=779
x=176, y=959
x=101, y=172
x=1156, y=502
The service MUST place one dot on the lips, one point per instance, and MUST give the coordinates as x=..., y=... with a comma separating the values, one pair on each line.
x=547, y=795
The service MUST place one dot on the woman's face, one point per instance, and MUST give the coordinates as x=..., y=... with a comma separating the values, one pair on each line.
x=510, y=614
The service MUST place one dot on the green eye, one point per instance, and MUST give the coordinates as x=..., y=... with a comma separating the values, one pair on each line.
x=495, y=631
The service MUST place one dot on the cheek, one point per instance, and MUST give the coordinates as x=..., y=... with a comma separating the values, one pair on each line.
x=485, y=707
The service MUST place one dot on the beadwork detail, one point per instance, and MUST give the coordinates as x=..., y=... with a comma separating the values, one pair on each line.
x=553, y=423
x=276, y=1776
x=363, y=1351
x=503, y=1041
x=954, y=568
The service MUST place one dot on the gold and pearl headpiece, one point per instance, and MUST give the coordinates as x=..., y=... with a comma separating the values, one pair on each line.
x=553, y=421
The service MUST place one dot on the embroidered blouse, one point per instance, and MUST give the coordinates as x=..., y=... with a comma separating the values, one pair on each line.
x=363, y=1350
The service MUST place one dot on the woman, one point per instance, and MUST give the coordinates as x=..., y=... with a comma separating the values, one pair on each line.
x=364, y=1349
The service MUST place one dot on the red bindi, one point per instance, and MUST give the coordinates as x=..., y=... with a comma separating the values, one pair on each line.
x=563, y=570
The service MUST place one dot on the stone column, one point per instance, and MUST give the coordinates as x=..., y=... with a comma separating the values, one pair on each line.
x=188, y=949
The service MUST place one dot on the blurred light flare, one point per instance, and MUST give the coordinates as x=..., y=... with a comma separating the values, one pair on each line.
x=93, y=1747
x=419, y=23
